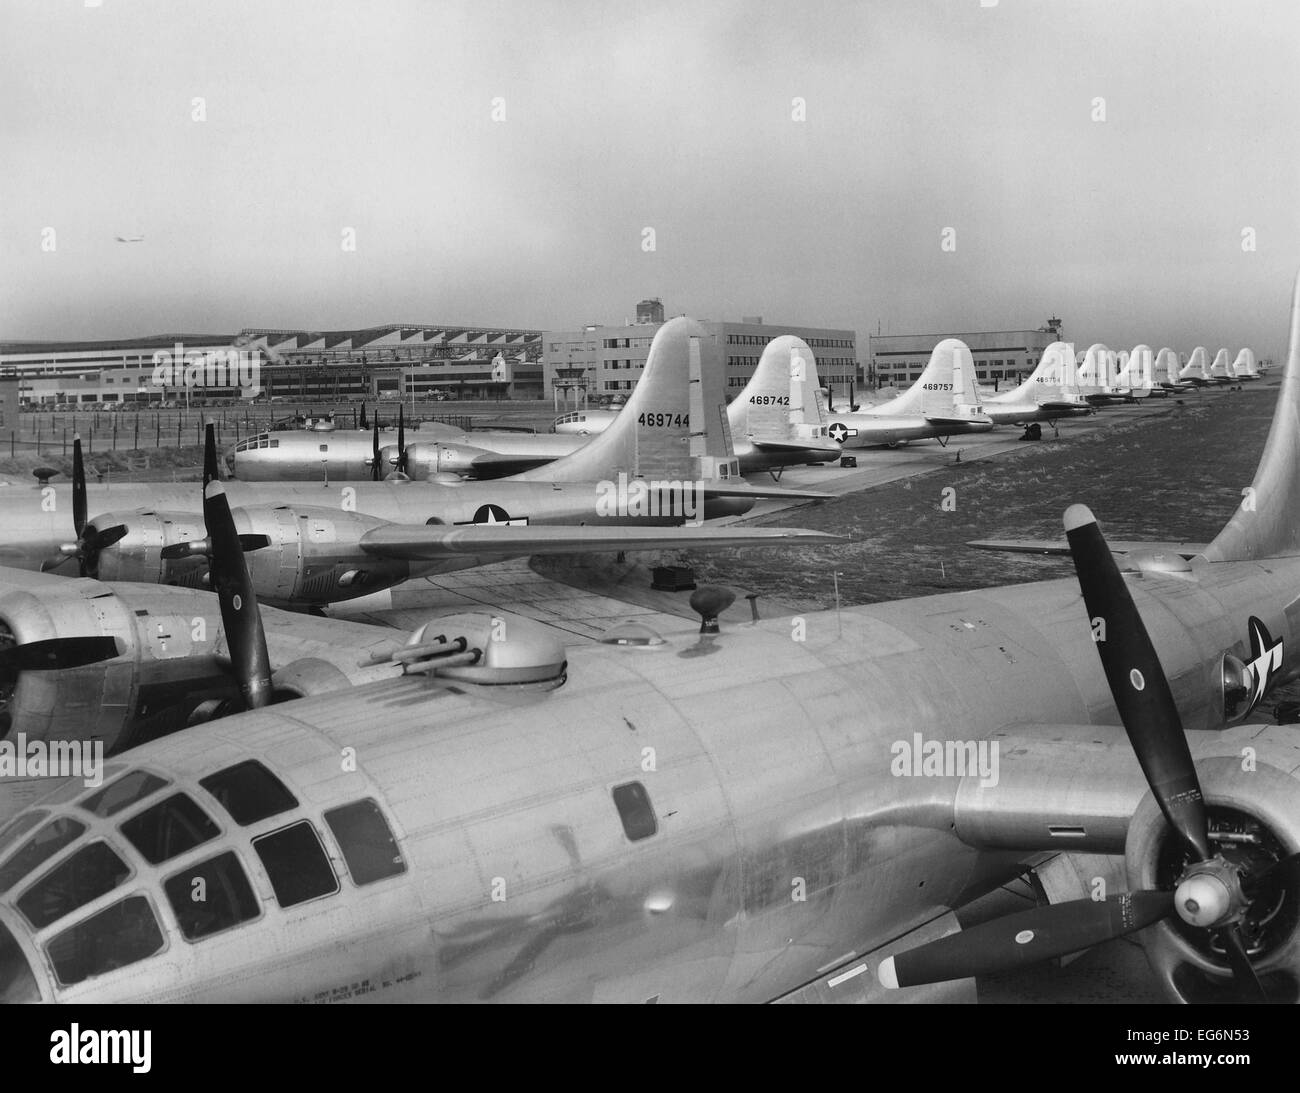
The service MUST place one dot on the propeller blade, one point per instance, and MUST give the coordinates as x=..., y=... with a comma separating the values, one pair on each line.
x=1138, y=683
x=1026, y=937
x=364, y=423
x=376, y=472
x=211, y=469
x=97, y=540
x=54, y=654
x=62, y=558
x=79, y=505
x=1248, y=984
x=401, y=438
x=239, y=614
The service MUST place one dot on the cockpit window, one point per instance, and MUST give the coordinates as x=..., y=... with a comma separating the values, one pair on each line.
x=211, y=896
x=296, y=863
x=128, y=789
x=113, y=938
x=17, y=984
x=74, y=882
x=249, y=792
x=169, y=828
x=47, y=842
x=366, y=841
x=19, y=827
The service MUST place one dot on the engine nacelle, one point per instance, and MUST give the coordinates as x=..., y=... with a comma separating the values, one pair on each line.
x=167, y=661
x=295, y=555
x=1254, y=808
x=425, y=461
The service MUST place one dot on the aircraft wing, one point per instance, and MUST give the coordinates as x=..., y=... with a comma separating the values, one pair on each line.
x=1060, y=546
x=427, y=542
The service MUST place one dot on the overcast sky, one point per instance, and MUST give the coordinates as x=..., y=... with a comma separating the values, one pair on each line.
x=918, y=117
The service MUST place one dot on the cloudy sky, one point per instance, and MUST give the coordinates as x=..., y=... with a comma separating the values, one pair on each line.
x=1131, y=167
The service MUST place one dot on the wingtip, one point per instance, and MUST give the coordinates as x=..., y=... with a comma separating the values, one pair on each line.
x=1077, y=516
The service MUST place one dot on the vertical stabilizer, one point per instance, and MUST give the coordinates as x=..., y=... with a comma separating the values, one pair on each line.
x=1167, y=366
x=1221, y=369
x=669, y=420
x=1245, y=367
x=1197, y=366
x=946, y=384
x=1267, y=522
x=781, y=395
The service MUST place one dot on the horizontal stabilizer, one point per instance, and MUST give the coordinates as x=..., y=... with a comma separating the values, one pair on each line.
x=831, y=451
x=427, y=542
x=763, y=493
x=1060, y=546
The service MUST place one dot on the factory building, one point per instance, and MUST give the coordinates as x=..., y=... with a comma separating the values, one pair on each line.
x=398, y=361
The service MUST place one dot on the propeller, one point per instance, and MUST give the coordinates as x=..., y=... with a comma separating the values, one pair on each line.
x=240, y=617
x=1211, y=893
x=90, y=541
x=203, y=547
x=376, y=471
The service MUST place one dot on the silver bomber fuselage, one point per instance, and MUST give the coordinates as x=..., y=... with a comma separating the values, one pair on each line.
x=38, y=520
x=768, y=763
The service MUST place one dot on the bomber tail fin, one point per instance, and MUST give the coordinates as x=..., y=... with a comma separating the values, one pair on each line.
x=1138, y=373
x=1267, y=522
x=780, y=403
x=946, y=388
x=673, y=426
x=1244, y=367
x=1197, y=366
x=1167, y=366
x=1221, y=369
